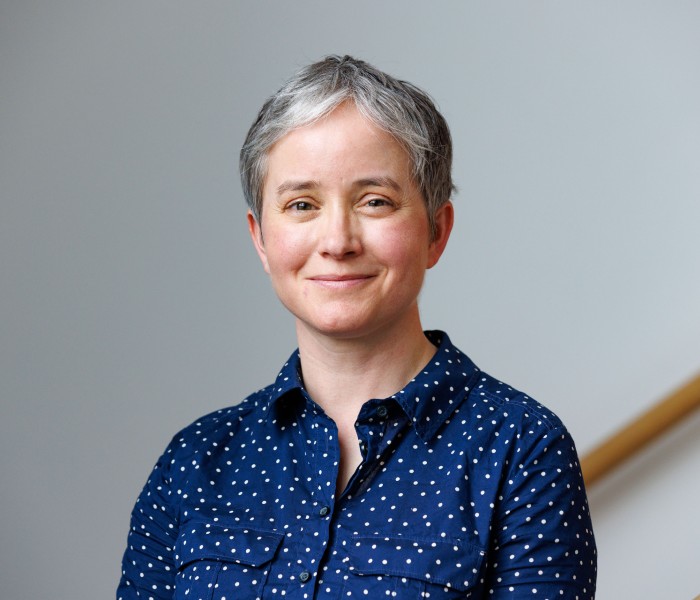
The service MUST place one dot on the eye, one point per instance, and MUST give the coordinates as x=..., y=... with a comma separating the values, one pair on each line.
x=300, y=205
x=378, y=202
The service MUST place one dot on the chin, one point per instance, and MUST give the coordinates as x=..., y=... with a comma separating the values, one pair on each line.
x=337, y=330
x=338, y=326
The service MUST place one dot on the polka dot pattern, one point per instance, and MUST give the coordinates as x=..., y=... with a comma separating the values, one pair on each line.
x=467, y=489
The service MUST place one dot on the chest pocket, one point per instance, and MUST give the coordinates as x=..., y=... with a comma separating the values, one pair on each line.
x=215, y=561
x=409, y=568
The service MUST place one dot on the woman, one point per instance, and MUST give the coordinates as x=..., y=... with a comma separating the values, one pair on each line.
x=381, y=461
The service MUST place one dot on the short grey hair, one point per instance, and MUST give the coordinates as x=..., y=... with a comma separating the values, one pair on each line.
x=396, y=106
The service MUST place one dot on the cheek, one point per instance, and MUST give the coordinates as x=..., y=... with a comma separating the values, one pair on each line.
x=286, y=253
x=405, y=247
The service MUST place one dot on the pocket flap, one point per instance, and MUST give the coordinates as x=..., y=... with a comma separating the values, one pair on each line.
x=453, y=563
x=211, y=541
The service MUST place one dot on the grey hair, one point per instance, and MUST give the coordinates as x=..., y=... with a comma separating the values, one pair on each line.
x=398, y=107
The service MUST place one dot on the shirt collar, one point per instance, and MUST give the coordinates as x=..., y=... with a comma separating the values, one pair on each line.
x=428, y=400
x=432, y=396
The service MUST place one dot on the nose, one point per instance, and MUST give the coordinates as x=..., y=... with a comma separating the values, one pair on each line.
x=339, y=236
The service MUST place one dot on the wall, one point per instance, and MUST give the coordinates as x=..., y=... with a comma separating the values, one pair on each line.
x=132, y=301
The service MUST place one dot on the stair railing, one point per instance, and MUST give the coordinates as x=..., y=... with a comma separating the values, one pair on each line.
x=627, y=441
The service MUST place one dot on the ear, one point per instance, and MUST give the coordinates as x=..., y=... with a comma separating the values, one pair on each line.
x=258, y=243
x=444, y=219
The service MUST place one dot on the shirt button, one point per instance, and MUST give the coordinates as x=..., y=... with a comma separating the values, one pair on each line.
x=304, y=576
x=382, y=411
x=324, y=511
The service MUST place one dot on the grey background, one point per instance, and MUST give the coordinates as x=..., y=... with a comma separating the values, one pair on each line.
x=132, y=302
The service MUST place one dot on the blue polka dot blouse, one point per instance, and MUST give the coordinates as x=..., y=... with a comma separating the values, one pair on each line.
x=467, y=489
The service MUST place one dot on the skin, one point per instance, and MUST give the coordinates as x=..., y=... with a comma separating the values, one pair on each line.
x=345, y=238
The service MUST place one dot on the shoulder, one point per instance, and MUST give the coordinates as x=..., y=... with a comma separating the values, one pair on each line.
x=494, y=396
x=513, y=428
x=230, y=416
x=481, y=394
x=216, y=429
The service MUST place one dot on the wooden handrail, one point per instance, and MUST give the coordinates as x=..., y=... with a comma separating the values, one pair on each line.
x=640, y=432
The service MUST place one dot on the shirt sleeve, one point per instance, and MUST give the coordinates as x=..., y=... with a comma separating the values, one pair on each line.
x=148, y=566
x=544, y=538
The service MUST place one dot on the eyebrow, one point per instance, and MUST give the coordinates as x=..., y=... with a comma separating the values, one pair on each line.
x=381, y=181
x=310, y=184
x=296, y=186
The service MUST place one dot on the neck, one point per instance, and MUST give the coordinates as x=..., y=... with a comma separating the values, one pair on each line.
x=341, y=374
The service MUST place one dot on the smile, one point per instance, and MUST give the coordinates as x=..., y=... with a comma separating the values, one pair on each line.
x=341, y=281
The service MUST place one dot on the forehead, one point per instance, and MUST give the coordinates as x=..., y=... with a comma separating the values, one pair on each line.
x=343, y=144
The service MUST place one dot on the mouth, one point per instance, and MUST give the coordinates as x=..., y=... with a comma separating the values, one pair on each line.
x=334, y=281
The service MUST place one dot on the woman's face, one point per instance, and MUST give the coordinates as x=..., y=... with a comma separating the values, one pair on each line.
x=344, y=232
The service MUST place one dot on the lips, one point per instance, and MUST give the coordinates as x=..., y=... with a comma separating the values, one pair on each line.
x=347, y=277
x=340, y=281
